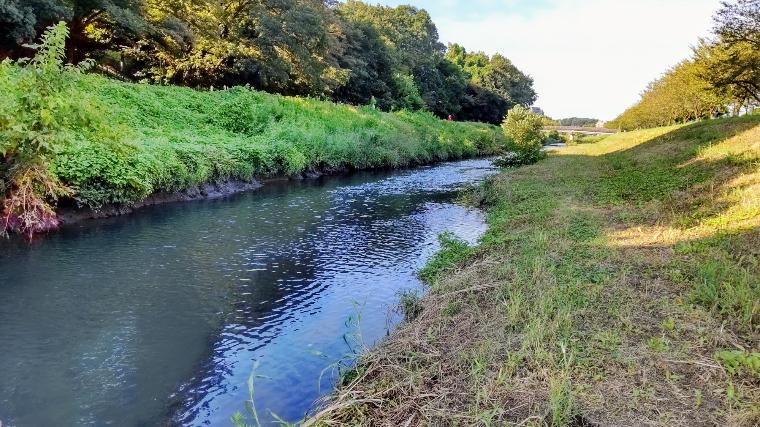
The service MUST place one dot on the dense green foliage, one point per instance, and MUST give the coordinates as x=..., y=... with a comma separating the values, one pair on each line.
x=722, y=77
x=495, y=85
x=578, y=121
x=39, y=111
x=523, y=128
x=182, y=137
x=411, y=40
x=106, y=141
x=348, y=52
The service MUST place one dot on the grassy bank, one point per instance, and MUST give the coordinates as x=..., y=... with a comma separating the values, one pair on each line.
x=618, y=284
x=179, y=137
x=113, y=142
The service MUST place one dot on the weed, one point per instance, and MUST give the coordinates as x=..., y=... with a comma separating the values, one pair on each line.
x=668, y=325
x=658, y=344
x=697, y=398
x=239, y=420
x=452, y=253
x=739, y=362
x=561, y=400
x=452, y=308
x=409, y=304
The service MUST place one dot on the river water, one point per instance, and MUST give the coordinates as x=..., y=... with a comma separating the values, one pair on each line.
x=162, y=316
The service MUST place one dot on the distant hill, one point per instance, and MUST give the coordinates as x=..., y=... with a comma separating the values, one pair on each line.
x=578, y=121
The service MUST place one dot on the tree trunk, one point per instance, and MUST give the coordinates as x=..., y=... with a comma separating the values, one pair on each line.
x=75, y=41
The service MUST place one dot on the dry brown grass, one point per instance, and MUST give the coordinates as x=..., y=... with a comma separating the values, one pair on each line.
x=587, y=302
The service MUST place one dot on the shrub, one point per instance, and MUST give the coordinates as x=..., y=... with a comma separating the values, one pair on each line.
x=523, y=127
x=518, y=158
x=39, y=108
x=553, y=137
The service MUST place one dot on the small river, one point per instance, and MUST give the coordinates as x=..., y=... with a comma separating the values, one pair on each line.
x=162, y=316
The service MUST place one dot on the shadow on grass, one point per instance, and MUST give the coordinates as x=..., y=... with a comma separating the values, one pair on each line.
x=692, y=193
x=667, y=165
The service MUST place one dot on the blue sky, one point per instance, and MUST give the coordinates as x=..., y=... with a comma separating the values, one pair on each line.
x=588, y=58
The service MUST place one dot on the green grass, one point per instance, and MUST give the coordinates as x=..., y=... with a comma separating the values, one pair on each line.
x=618, y=283
x=166, y=138
x=453, y=251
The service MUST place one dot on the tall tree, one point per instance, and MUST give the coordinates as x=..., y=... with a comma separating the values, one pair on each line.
x=22, y=20
x=732, y=62
x=370, y=66
x=680, y=95
x=739, y=22
x=731, y=68
x=496, y=85
x=412, y=40
x=350, y=52
x=482, y=105
x=282, y=46
x=502, y=77
x=97, y=24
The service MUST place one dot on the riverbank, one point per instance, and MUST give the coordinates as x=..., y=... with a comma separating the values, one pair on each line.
x=618, y=284
x=71, y=213
x=272, y=281
x=120, y=145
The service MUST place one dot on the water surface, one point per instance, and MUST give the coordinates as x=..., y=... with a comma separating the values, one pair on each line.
x=159, y=318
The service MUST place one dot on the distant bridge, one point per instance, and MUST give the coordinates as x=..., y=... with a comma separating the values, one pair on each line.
x=580, y=130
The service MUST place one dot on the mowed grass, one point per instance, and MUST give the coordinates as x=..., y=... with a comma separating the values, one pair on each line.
x=168, y=138
x=618, y=284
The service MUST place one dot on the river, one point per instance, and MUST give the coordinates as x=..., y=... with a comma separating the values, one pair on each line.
x=162, y=316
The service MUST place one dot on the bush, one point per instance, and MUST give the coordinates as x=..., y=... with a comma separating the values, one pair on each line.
x=39, y=109
x=518, y=158
x=523, y=128
x=554, y=137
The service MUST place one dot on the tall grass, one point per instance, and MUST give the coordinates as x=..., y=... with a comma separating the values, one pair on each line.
x=175, y=138
x=133, y=140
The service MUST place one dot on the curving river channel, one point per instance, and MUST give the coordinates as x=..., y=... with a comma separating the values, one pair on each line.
x=161, y=317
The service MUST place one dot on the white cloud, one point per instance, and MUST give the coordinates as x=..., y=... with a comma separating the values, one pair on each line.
x=588, y=58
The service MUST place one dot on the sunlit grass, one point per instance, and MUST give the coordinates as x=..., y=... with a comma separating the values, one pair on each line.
x=614, y=277
x=174, y=138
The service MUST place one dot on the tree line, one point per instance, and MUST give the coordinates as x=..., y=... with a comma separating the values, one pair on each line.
x=722, y=76
x=352, y=52
x=578, y=122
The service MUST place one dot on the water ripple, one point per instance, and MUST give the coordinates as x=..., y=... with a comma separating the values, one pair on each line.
x=159, y=317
